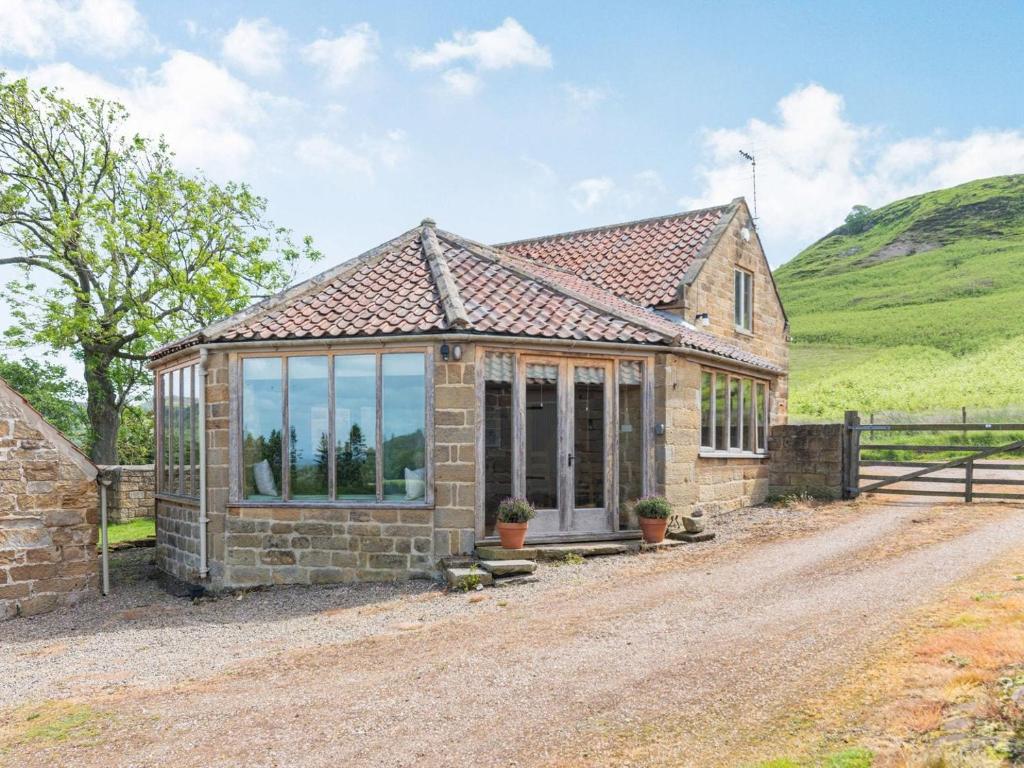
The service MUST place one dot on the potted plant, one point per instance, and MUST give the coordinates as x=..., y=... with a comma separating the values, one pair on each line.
x=514, y=515
x=653, y=512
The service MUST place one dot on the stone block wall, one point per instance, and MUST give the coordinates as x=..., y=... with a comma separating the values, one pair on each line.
x=806, y=458
x=177, y=538
x=455, y=416
x=131, y=492
x=49, y=510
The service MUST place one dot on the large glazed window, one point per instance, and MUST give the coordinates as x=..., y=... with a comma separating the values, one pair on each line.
x=309, y=447
x=177, y=439
x=737, y=407
x=355, y=428
x=402, y=423
x=498, y=380
x=542, y=435
x=262, y=451
x=631, y=430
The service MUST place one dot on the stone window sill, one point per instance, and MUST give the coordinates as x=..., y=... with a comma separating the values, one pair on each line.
x=744, y=331
x=330, y=505
x=709, y=454
x=177, y=498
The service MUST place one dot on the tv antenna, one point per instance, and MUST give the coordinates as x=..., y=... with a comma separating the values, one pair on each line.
x=753, y=175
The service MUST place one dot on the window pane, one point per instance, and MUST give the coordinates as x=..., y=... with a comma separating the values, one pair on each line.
x=631, y=432
x=721, y=412
x=308, y=419
x=735, y=413
x=195, y=431
x=748, y=415
x=706, y=403
x=762, y=418
x=498, y=369
x=737, y=290
x=355, y=427
x=588, y=436
x=261, y=427
x=542, y=435
x=186, y=433
x=172, y=432
x=748, y=301
x=165, y=417
x=403, y=443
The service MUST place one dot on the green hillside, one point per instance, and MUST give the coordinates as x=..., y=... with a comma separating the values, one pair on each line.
x=917, y=306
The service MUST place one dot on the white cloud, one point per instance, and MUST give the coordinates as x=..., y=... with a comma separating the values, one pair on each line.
x=204, y=111
x=461, y=82
x=589, y=193
x=340, y=58
x=35, y=28
x=584, y=97
x=506, y=46
x=256, y=47
x=369, y=154
x=814, y=164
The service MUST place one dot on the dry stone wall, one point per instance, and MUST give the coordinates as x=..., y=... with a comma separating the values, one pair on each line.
x=806, y=459
x=48, y=515
x=131, y=492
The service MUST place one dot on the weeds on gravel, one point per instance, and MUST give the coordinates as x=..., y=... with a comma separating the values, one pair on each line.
x=52, y=722
x=847, y=758
x=571, y=558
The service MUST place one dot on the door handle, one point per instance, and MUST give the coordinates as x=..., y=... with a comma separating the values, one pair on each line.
x=570, y=459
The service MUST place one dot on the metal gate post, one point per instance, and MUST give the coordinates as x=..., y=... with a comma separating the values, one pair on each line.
x=851, y=454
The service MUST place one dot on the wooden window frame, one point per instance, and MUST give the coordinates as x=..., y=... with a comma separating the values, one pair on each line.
x=168, y=459
x=236, y=492
x=750, y=416
x=743, y=311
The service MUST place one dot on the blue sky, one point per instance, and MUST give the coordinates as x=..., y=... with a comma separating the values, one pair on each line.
x=501, y=121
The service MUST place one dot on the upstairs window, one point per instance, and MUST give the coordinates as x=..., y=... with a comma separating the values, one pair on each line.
x=743, y=298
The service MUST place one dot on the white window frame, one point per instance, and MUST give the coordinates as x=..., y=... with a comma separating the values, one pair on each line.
x=238, y=427
x=750, y=416
x=743, y=312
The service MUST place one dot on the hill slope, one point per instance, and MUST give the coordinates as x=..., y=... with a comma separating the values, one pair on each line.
x=917, y=307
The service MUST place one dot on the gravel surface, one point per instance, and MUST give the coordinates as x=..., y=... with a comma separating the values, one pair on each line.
x=676, y=658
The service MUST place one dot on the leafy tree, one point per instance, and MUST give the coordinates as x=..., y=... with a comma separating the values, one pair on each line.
x=129, y=253
x=52, y=392
x=136, y=438
x=858, y=220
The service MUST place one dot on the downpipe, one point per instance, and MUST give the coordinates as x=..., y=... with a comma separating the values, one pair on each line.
x=204, y=569
x=104, y=481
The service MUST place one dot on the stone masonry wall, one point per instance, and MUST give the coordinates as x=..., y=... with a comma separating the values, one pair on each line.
x=177, y=539
x=49, y=510
x=692, y=483
x=130, y=495
x=455, y=455
x=806, y=458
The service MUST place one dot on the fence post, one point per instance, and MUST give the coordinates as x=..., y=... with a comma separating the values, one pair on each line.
x=969, y=482
x=851, y=454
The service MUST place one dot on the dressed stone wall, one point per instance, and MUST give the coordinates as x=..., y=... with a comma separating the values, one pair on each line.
x=49, y=511
x=131, y=492
x=807, y=458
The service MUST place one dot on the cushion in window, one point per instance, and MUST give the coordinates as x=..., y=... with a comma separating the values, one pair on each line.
x=264, y=477
x=414, y=484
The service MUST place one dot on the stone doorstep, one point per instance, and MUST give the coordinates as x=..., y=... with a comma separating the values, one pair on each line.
x=693, y=538
x=456, y=576
x=500, y=553
x=549, y=552
x=508, y=567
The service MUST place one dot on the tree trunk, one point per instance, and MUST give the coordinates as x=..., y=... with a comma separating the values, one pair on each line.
x=104, y=415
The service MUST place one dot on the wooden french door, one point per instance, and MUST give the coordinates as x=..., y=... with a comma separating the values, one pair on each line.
x=565, y=465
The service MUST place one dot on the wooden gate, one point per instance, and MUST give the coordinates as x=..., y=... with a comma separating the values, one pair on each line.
x=969, y=473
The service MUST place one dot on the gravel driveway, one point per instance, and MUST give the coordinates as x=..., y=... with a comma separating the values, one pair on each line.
x=687, y=657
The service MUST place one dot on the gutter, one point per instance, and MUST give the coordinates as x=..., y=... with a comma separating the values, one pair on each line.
x=204, y=520
x=469, y=338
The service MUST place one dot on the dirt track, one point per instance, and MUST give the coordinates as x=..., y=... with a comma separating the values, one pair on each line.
x=684, y=658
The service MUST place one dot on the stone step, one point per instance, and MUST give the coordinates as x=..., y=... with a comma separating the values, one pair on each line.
x=693, y=538
x=549, y=552
x=500, y=553
x=467, y=578
x=515, y=581
x=661, y=545
x=508, y=567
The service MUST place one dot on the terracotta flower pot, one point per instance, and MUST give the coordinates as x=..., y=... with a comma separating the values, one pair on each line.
x=654, y=529
x=512, y=535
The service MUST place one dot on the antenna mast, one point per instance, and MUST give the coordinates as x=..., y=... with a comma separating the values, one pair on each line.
x=753, y=174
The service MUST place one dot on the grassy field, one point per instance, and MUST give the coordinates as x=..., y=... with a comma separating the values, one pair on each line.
x=141, y=528
x=918, y=313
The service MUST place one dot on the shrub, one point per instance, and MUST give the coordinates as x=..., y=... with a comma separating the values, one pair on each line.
x=515, y=510
x=653, y=507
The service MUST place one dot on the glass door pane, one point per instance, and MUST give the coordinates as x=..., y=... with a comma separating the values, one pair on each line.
x=590, y=446
x=498, y=382
x=541, y=445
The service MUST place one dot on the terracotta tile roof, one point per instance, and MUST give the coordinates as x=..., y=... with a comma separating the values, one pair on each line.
x=429, y=281
x=643, y=261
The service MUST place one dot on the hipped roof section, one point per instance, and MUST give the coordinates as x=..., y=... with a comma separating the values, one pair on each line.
x=429, y=281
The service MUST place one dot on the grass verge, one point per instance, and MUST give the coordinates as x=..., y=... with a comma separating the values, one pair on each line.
x=140, y=528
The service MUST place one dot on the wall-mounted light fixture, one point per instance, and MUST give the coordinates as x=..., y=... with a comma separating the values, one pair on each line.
x=703, y=319
x=457, y=352
x=445, y=352
x=454, y=352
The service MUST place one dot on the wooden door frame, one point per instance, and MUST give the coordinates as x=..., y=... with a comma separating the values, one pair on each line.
x=611, y=447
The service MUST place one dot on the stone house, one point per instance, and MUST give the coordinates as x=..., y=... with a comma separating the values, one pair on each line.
x=364, y=424
x=48, y=513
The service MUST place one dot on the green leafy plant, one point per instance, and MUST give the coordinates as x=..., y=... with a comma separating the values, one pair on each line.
x=471, y=581
x=515, y=510
x=653, y=507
